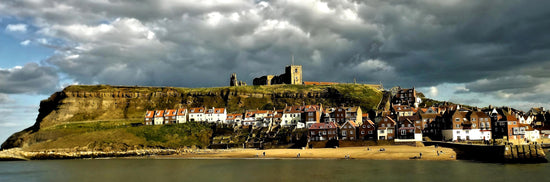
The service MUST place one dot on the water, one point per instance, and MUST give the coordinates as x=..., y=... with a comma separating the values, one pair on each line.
x=267, y=170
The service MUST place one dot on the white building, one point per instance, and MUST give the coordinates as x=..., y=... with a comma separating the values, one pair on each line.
x=292, y=115
x=181, y=116
x=216, y=115
x=196, y=114
x=159, y=117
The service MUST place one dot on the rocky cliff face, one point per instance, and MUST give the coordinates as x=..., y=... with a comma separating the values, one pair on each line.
x=95, y=103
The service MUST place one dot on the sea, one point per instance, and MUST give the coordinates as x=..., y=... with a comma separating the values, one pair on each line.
x=153, y=170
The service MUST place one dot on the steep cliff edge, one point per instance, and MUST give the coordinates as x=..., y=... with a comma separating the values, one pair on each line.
x=77, y=104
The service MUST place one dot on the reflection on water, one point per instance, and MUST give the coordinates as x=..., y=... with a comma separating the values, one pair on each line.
x=267, y=170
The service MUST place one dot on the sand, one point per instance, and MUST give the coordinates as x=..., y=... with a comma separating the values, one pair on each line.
x=394, y=152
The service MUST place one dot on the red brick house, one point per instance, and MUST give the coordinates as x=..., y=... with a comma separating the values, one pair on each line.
x=149, y=116
x=323, y=131
x=348, y=131
x=386, y=129
x=366, y=131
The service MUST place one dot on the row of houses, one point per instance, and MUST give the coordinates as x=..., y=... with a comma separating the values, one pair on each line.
x=291, y=116
x=403, y=121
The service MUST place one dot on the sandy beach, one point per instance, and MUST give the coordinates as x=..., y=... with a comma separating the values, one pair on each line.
x=394, y=152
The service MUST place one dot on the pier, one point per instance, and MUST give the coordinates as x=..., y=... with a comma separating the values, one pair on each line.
x=532, y=153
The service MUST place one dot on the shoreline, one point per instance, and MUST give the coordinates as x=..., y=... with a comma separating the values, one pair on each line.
x=390, y=152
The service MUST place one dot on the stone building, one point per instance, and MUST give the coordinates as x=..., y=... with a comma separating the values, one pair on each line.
x=292, y=75
x=234, y=82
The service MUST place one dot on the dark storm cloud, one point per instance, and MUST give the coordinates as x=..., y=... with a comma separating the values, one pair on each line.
x=407, y=43
x=31, y=78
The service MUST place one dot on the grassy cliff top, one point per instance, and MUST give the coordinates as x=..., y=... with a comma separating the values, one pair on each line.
x=266, y=89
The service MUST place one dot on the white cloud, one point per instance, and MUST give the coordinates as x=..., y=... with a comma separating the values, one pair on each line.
x=434, y=91
x=25, y=43
x=16, y=28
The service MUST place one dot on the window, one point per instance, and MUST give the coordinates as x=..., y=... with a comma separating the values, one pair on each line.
x=370, y=132
x=383, y=125
x=344, y=132
x=312, y=132
x=467, y=132
x=351, y=132
x=368, y=126
x=457, y=119
x=457, y=132
x=362, y=132
x=457, y=126
x=381, y=131
x=474, y=125
x=390, y=131
x=402, y=132
x=473, y=119
x=324, y=132
x=364, y=126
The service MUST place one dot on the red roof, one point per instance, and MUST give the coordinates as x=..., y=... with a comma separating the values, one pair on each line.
x=196, y=110
x=159, y=113
x=328, y=125
x=319, y=83
x=293, y=109
x=311, y=108
x=170, y=112
x=149, y=114
x=182, y=112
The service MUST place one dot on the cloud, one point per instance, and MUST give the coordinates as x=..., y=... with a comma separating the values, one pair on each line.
x=16, y=28
x=420, y=43
x=434, y=91
x=31, y=78
x=4, y=98
x=25, y=43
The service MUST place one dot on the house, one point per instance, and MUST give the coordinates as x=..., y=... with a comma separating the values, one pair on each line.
x=181, y=117
x=196, y=114
x=426, y=118
x=328, y=115
x=530, y=134
x=234, y=119
x=323, y=131
x=406, y=97
x=386, y=128
x=149, y=117
x=402, y=110
x=515, y=133
x=312, y=114
x=405, y=129
x=342, y=114
x=216, y=115
x=159, y=117
x=480, y=128
x=292, y=115
x=170, y=116
x=348, y=131
x=367, y=130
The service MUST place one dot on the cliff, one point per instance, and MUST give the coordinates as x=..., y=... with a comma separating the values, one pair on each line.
x=88, y=104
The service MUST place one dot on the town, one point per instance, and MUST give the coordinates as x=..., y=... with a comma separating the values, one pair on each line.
x=403, y=122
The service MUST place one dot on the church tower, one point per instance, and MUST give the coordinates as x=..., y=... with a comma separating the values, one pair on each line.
x=294, y=73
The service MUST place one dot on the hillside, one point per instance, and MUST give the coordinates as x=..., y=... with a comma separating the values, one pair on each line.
x=83, y=108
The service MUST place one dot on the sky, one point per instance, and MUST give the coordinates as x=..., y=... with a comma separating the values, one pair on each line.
x=475, y=52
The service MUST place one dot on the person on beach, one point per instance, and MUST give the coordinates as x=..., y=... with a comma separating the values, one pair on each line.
x=437, y=153
x=298, y=156
x=263, y=154
x=421, y=155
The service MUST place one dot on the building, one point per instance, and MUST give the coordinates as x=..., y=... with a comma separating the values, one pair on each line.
x=234, y=119
x=386, y=129
x=181, y=117
x=342, y=114
x=312, y=114
x=159, y=117
x=407, y=97
x=196, y=114
x=149, y=117
x=234, y=82
x=170, y=116
x=215, y=115
x=323, y=131
x=292, y=75
x=292, y=115
x=405, y=129
x=367, y=131
x=348, y=131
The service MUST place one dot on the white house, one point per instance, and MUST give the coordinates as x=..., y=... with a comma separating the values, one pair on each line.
x=292, y=115
x=197, y=114
x=216, y=115
x=182, y=115
x=159, y=117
